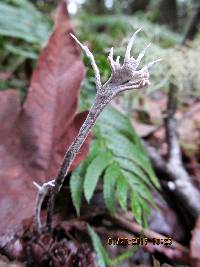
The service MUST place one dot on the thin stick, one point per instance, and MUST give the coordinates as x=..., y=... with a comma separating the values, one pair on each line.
x=136, y=228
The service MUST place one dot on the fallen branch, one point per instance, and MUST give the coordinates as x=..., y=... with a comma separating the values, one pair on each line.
x=193, y=28
x=179, y=182
x=135, y=228
x=173, y=168
x=186, y=115
x=183, y=182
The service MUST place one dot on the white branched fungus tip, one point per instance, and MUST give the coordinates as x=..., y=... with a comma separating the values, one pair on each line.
x=124, y=76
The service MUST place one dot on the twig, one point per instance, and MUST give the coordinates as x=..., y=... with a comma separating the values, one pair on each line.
x=136, y=228
x=193, y=28
x=183, y=186
x=186, y=115
x=123, y=77
x=174, y=151
x=183, y=182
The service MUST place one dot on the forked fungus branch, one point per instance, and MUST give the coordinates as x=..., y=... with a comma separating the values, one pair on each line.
x=125, y=76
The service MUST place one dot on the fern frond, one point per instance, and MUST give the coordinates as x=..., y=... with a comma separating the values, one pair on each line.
x=93, y=172
x=119, y=157
x=103, y=258
x=110, y=179
x=76, y=187
x=122, y=192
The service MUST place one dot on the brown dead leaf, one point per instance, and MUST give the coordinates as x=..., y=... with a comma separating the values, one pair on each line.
x=155, y=107
x=149, y=114
x=143, y=129
x=33, y=138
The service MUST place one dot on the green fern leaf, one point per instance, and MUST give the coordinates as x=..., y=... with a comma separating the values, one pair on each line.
x=131, y=166
x=76, y=187
x=94, y=170
x=123, y=147
x=102, y=256
x=110, y=178
x=95, y=149
x=23, y=21
x=117, y=150
x=136, y=207
x=137, y=186
x=123, y=256
x=115, y=119
x=122, y=191
x=77, y=177
x=122, y=140
x=146, y=210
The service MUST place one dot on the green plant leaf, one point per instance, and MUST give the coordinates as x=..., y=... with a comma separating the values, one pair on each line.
x=110, y=178
x=77, y=177
x=24, y=52
x=135, y=173
x=131, y=166
x=138, y=186
x=94, y=170
x=123, y=131
x=76, y=187
x=123, y=256
x=116, y=121
x=102, y=256
x=123, y=142
x=122, y=191
x=117, y=150
x=23, y=21
x=136, y=207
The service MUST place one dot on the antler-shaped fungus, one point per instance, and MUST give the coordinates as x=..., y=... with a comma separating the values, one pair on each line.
x=123, y=77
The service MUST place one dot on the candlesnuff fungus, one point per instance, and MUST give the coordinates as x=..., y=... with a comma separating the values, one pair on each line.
x=123, y=77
